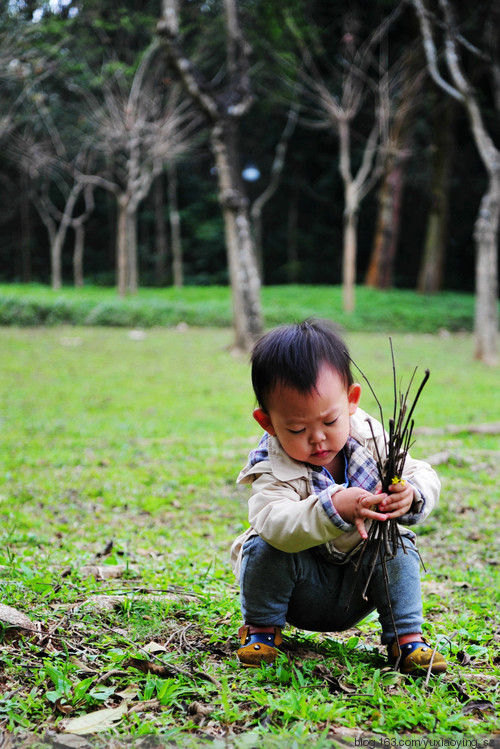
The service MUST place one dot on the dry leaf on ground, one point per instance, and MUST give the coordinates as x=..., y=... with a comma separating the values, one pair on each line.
x=99, y=720
x=14, y=619
x=105, y=571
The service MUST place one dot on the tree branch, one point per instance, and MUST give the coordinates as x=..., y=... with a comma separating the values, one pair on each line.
x=431, y=53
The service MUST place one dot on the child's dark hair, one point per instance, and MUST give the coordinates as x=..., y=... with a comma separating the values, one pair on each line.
x=292, y=355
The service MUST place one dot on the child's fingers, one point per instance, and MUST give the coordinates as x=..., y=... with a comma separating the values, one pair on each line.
x=367, y=504
x=367, y=513
x=374, y=499
x=397, y=500
x=394, y=507
x=360, y=527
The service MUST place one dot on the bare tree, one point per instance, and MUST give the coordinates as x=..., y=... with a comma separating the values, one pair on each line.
x=405, y=100
x=223, y=108
x=19, y=78
x=140, y=128
x=55, y=184
x=487, y=223
x=337, y=95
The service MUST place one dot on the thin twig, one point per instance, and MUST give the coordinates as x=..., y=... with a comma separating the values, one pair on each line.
x=385, y=536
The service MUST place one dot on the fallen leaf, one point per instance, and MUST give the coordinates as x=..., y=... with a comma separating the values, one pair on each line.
x=136, y=335
x=154, y=647
x=149, y=667
x=104, y=603
x=477, y=706
x=334, y=684
x=198, y=711
x=107, y=550
x=65, y=709
x=463, y=658
x=97, y=721
x=463, y=696
x=208, y=677
x=104, y=571
x=129, y=693
x=12, y=618
x=62, y=741
x=141, y=707
x=5, y=741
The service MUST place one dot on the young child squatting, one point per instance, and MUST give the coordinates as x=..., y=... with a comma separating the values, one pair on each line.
x=314, y=492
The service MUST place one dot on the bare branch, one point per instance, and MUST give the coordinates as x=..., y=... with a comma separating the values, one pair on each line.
x=431, y=53
x=278, y=163
x=168, y=31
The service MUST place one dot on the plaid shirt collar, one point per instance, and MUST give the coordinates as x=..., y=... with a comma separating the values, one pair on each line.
x=360, y=468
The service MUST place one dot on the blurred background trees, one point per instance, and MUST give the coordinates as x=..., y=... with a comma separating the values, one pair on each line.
x=328, y=119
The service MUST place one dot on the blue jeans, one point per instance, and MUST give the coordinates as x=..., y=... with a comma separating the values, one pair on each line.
x=314, y=594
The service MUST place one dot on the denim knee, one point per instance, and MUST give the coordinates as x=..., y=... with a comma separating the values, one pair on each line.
x=266, y=582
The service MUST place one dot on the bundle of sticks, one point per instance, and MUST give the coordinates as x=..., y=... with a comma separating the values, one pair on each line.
x=384, y=537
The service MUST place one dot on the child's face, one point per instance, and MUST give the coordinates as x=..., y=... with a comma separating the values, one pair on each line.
x=312, y=427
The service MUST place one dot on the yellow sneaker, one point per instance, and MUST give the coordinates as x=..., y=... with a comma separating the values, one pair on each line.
x=416, y=658
x=258, y=645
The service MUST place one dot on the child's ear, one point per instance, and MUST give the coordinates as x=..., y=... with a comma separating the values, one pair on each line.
x=353, y=396
x=264, y=420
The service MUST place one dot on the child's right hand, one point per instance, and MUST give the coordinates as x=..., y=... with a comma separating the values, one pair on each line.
x=355, y=505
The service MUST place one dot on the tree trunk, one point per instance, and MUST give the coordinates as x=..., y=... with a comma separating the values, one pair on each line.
x=121, y=248
x=379, y=272
x=175, y=227
x=223, y=109
x=132, y=254
x=58, y=241
x=486, y=226
x=292, y=234
x=431, y=269
x=78, y=255
x=486, y=239
x=56, y=261
x=349, y=259
x=381, y=267
x=26, y=230
x=243, y=271
x=161, y=241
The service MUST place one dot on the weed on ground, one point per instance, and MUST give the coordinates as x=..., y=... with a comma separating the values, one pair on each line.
x=118, y=457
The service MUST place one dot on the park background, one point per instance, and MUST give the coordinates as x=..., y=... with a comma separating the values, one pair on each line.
x=138, y=262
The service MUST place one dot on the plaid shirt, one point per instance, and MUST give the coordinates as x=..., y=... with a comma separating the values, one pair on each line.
x=360, y=470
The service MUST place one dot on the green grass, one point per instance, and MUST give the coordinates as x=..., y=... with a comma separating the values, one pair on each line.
x=123, y=453
x=393, y=310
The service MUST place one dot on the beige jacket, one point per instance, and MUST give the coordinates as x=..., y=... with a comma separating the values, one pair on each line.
x=287, y=513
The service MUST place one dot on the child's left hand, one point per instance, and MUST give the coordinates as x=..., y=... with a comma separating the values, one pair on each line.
x=399, y=500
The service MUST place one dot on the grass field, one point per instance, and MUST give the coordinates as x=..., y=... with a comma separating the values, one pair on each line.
x=118, y=456
x=392, y=310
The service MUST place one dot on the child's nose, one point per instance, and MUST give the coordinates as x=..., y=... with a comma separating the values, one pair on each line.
x=317, y=436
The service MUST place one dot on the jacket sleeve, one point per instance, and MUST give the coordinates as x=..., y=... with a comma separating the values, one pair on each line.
x=287, y=522
x=426, y=488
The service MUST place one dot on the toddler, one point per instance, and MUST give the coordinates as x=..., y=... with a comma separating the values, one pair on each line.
x=315, y=489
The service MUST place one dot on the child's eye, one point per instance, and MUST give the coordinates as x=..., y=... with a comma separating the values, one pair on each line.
x=297, y=431
x=330, y=423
